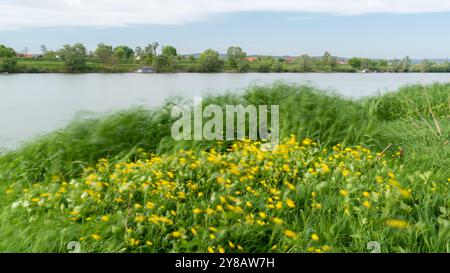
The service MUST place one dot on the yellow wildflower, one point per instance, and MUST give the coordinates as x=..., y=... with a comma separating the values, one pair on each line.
x=290, y=203
x=290, y=186
x=400, y=224
x=277, y=220
x=345, y=172
x=139, y=218
x=343, y=193
x=367, y=204
x=197, y=211
x=194, y=231
x=96, y=237
x=290, y=233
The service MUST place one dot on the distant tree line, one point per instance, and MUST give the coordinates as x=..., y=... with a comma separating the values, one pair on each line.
x=167, y=59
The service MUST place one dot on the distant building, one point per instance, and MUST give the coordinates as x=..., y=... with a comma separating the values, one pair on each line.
x=29, y=55
x=290, y=60
x=342, y=61
x=251, y=59
x=145, y=70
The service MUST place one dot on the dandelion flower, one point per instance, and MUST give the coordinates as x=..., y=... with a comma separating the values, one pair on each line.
x=343, y=193
x=400, y=224
x=197, y=211
x=175, y=234
x=277, y=220
x=105, y=218
x=194, y=232
x=367, y=204
x=290, y=203
x=290, y=233
x=314, y=237
x=345, y=173
x=96, y=237
x=139, y=218
x=290, y=186
x=326, y=248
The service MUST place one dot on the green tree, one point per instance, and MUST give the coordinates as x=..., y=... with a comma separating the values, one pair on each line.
x=234, y=55
x=210, y=61
x=355, y=62
x=328, y=61
x=367, y=64
x=7, y=52
x=169, y=51
x=395, y=66
x=162, y=63
x=8, y=64
x=44, y=50
x=149, y=53
x=74, y=57
x=406, y=64
x=123, y=53
x=243, y=66
x=265, y=65
x=277, y=66
x=104, y=53
x=305, y=63
x=425, y=66
x=382, y=65
x=139, y=53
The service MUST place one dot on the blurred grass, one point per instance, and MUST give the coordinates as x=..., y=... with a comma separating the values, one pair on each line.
x=415, y=118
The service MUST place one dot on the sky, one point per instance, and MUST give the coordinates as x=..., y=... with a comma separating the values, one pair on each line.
x=364, y=28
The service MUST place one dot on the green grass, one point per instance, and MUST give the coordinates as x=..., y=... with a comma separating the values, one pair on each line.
x=416, y=118
x=57, y=66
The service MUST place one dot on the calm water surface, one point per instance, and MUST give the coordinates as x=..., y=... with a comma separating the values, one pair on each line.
x=32, y=104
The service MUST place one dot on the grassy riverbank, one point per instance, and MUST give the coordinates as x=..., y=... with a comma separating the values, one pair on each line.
x=120, y=183
x=45, y=65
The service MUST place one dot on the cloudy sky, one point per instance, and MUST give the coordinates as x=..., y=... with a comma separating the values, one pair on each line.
x=373, y=28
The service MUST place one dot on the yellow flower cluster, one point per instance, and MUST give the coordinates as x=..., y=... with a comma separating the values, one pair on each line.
x=228, y=199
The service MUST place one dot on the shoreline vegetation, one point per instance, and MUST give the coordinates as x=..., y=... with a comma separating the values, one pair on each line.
x=347, y=173
x=122, y=59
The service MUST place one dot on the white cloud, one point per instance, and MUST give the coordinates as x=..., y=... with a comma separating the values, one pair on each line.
x=49, y=13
